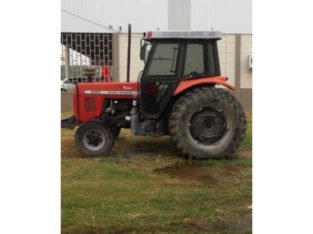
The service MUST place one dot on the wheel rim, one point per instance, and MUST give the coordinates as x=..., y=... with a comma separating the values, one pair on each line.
x=209, y=127
x=94, y=139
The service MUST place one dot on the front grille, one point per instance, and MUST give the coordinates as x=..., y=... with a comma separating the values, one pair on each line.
x=90, y=104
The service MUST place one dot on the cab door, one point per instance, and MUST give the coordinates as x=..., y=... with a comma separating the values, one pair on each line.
x=160, y=78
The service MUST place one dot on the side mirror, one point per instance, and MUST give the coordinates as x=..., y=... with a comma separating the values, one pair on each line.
x=143, y=49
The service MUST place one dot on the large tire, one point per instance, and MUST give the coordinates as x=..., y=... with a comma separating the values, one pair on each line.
x=208, y=122
x=94, y=139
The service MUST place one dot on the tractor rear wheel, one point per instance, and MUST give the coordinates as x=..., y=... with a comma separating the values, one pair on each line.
x=94, y=139
x=208, y=122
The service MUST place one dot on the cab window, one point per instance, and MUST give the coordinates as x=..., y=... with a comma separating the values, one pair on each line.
x=194, y=63
x=201, y=60
x=164, y=60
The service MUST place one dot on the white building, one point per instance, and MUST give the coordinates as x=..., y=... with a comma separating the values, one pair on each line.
x=228, y=16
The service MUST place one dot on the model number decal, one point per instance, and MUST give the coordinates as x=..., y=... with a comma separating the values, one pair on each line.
x=103, y=92
x=127, y=87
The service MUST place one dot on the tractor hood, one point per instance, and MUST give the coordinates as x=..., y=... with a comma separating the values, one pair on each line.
x=88, y=98
x=115, y=90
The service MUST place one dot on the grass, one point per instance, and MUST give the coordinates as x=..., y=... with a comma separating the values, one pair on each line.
x=247, y=143
x=144, y=186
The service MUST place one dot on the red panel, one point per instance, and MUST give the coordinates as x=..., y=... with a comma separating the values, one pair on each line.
x=99, y=92
x=149, y=34
x=219, y=80
x=90, y=104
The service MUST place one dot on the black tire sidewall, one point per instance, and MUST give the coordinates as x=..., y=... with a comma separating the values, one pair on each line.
x=204, y=152
x=189, y=104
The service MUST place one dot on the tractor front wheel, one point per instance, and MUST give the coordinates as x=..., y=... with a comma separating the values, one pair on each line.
x=208, y=122
x=94, y=139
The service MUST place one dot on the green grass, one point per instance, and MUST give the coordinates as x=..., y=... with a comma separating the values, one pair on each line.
x=145, y=187
x=247, y=143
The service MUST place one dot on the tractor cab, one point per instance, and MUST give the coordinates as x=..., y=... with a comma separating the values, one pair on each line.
x=174, y=57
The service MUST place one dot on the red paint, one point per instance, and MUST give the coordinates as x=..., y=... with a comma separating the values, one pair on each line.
x=80, y=98
x=149, y=34
x=75, y=104
x=106, y=73
x=219, y=80
x=151, y=89
x=89, y=105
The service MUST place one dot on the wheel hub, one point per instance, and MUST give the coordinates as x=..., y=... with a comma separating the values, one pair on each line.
x=94, y=139
x=207, y=126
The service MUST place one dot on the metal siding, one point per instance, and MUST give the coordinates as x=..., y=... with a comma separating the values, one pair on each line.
x=179, y=14
x=144, y=15
x=72, y=23
x=228, y=16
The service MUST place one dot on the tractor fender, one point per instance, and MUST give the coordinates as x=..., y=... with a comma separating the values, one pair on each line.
x=106, y=122
x=218, y=80
x=94, y=120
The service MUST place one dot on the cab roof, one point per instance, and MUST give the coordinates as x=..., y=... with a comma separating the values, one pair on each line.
x=215, y=35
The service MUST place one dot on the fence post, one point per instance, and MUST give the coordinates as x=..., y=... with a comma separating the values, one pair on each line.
x=67, y=62
x=115, y=59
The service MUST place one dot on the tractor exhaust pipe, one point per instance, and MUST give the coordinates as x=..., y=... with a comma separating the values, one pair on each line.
x=134, y=118
x=128, y=51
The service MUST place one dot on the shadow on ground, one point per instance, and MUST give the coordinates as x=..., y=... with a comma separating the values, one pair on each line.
x=128, y=146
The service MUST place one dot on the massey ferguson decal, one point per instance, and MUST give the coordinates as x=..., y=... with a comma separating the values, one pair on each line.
x=106, y=92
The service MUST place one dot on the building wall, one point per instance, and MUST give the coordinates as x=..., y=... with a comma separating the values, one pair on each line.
x=228, y=16
x=144, y=15
x=246, y=72
x=179, y=14
x=66, y=102
x=136, y=65
x=71, y=22
x=227, y=51
x=226, y=48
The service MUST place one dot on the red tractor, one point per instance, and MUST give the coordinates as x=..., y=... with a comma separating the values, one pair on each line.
x=176, y=94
